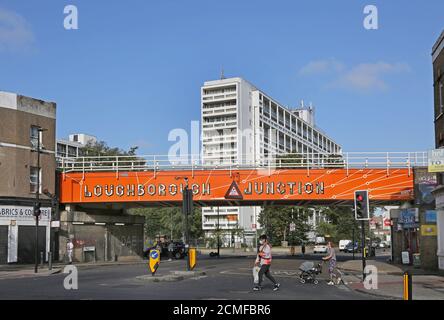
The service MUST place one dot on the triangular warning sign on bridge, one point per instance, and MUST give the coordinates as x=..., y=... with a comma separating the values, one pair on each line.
x=233, y=192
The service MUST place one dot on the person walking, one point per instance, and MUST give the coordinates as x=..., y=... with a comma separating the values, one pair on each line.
x=170, y=251
x=69, y=250
x=263, y=260
x=331, y=258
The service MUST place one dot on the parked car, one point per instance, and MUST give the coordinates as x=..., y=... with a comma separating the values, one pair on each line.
x=386, y=244
x=349, y=247
x=343, y=244
x=178, y=253
x=320, y=248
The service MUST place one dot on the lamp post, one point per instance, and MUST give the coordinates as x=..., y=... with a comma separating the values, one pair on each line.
x=218, y=233
x=37, y=204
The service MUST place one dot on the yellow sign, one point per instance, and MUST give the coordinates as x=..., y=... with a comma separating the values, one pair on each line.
x=436, y=160
x=192, y=258
x=154, y=261
x=428, y=230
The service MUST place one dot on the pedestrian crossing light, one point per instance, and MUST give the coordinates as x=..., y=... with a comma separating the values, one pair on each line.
x=37, y=210
x=361, y=205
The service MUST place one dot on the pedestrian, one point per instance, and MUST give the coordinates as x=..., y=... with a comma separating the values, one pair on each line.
x=263, y=260
x=331, y=258
x=170, y=251
x=303, y=248
x=69, y=250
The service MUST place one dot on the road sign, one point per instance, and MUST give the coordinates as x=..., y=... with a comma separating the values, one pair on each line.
x=154, y=261
x=233, y=192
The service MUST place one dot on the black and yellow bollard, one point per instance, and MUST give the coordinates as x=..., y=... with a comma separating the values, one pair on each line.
x=408, y=295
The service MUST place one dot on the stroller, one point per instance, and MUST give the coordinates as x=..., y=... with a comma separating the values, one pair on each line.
x=309, y=272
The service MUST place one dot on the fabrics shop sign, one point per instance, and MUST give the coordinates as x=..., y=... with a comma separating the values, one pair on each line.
x=23, y=213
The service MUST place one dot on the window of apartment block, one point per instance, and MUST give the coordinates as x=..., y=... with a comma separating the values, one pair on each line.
x=72, y=151
x=61, y=150
x=34, y=136
x=33, y=182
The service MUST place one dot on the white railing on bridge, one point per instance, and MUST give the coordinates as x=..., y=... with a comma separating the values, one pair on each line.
x=345, y=160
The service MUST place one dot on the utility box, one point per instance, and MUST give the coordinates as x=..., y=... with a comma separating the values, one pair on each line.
x=89, y=254
x=417, y=260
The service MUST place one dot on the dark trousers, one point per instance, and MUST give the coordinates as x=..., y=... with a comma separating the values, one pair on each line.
x=265, y=269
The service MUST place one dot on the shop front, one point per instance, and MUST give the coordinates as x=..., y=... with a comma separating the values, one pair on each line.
x=17, y=234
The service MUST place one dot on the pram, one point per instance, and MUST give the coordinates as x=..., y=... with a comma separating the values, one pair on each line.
x=309, y=272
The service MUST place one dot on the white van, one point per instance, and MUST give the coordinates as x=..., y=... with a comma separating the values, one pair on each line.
x=343, y=244
x=320, y=240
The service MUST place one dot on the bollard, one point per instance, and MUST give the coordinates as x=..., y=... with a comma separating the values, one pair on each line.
x=49, y=260
x=191, y=259
x=408, y=294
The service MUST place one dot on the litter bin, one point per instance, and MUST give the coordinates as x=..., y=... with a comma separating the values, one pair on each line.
x=416, y=260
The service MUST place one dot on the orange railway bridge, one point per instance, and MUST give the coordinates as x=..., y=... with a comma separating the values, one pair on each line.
x=138, y=181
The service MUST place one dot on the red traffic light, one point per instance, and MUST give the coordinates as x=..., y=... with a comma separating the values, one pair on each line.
x=359, y=197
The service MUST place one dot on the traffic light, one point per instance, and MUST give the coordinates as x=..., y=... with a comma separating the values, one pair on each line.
x=361, y=205
x=37, y=210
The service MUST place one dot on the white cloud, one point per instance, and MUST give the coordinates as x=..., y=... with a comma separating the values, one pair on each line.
x=368, y=76
x=15, y=32
x=321, y=66
x=364, y=77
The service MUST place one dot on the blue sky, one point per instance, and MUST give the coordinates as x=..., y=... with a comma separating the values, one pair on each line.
x=133, y=69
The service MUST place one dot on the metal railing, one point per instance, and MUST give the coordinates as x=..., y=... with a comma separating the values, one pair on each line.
x=346, y=160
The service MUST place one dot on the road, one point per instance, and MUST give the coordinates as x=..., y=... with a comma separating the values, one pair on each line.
x=225, y=278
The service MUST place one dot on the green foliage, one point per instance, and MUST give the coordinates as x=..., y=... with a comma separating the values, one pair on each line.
x=108, y=155
x=100, y=148
x=341, y=222
x=276, y=221
x=164, y=221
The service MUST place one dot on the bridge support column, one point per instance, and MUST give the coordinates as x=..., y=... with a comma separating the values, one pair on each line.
x=439, y=198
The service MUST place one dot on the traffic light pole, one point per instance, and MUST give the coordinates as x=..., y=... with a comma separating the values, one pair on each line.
x=363, y=248
x=187, y=210
x=353, y=244
x=37, y=204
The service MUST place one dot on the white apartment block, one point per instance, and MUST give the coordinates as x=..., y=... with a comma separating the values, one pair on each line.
x=243, y=125
x=73, y=147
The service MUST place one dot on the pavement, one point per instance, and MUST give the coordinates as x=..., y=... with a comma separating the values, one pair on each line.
x=426, y=285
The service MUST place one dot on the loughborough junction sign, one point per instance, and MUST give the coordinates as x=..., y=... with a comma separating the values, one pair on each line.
x=211, y=186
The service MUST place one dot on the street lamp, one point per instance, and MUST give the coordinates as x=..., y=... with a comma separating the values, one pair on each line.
x=37, y=204
x=218, y=233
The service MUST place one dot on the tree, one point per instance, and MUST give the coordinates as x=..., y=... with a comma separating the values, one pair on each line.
x=276, y=221
x=341, y=222
x=104, y=156
x=167, y=221
x=101, y=148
